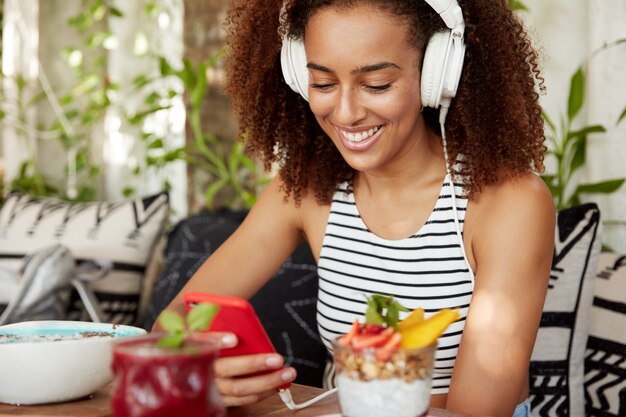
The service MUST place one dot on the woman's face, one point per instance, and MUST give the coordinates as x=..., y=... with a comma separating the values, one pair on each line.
x=365, y=85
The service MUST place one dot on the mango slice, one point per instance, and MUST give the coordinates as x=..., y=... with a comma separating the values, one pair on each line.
x=426, y=332
x=416, y=317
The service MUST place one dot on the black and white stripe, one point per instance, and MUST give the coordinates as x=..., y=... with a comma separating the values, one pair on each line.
x=428, y=270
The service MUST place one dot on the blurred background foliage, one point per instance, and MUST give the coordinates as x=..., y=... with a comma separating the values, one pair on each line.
x=220, y=174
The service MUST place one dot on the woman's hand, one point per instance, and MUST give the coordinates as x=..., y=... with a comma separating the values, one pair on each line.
x=232, y=373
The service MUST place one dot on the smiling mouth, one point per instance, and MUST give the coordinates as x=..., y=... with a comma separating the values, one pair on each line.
x=360, y=136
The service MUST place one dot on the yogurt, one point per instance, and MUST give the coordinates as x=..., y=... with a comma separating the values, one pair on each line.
x=383, y=397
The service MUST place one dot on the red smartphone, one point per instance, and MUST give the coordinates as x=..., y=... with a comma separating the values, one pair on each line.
x=235, y=315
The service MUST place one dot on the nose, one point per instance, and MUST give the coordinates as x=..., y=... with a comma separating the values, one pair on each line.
x=349, y=110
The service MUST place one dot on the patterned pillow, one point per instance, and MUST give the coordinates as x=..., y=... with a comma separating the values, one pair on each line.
x=123, y=233
x=556, y=369
x=286, y=305
x=605, y=364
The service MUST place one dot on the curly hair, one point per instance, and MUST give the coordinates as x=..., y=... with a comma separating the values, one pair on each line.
x=494, y=122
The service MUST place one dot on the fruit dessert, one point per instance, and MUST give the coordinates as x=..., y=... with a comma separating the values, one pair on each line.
x=384, y=365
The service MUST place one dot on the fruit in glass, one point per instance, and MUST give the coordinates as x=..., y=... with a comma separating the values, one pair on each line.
x=375, y=381
x=385, y=366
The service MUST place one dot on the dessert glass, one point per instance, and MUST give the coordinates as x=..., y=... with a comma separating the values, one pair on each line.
x=396, y=385
x=164, y=382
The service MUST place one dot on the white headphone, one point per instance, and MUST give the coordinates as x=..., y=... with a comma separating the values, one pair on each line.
x=441, y=70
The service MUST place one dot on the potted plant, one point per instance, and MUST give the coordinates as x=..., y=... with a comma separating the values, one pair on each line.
x=80, y=104
x=170, y=374
x=568, y=146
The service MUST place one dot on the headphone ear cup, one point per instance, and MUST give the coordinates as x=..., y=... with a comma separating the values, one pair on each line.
x=293, y=64
x=433, y=69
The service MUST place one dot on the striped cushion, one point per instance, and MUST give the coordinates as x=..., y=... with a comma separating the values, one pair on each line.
x=556, y=371
x=124, y=233
x=605, y=362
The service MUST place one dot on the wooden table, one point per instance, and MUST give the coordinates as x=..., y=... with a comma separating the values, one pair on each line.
x=98, y=406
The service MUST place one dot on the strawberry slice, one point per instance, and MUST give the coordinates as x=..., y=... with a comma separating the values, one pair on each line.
x=346, y=339
x=373, y=328
x=385, y=351
x=364, y=340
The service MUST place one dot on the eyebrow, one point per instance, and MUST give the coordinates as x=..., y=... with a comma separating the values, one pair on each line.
x=366, y=68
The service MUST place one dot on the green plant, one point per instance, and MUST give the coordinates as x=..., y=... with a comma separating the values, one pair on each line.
x=157, y=95
x=517, y=5
x=197, y=320
x=1, y=25
x=80, y=110
x=15, y=111
x=568, y=146
x=230, y=169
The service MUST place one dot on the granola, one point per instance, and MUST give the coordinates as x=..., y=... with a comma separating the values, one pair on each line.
x=405, y=364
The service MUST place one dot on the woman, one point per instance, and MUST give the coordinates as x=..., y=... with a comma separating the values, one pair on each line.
x=366, y=179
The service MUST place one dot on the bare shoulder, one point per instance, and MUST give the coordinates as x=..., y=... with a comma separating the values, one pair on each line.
x=273, y=206
x=524, y=197
x=314, y=217
x=510, y=217
x=525, y=189
x=307, y=218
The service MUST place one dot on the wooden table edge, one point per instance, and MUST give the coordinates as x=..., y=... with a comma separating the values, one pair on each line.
x=97, y=405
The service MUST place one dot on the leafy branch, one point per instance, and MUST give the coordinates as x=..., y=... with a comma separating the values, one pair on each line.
x=568, y=145
x=227, y=164
x=517, y=5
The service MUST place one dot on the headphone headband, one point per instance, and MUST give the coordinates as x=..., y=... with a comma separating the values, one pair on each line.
x=449, y=11
x=441, y=69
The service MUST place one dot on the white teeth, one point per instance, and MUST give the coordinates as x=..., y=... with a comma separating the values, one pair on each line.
x=358, y=137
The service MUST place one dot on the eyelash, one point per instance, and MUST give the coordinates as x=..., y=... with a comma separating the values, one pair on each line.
x=378, y=88
x=372, y=88
x=322, y=87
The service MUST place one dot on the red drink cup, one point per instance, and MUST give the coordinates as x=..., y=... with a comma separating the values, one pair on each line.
x=164, y=382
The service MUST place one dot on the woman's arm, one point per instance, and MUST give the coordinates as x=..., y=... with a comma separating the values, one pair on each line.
x=512, y=238
x=253, y=253
x=241, y=266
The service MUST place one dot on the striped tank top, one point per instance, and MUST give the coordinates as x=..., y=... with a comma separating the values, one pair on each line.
x=428, y=269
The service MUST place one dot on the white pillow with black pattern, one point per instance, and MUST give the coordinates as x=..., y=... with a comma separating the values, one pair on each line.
x=556, y=369
x=605, y=364
x=123, y=232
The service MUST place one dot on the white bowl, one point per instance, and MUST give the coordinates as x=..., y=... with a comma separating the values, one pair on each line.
x=55, y=361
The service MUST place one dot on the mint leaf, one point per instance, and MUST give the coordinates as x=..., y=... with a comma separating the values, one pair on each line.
x=200, y=317
x=373, y=317
x=393, y=314
x=372, y=314
x=383, y=309
x=381, y=300
x=172, y=340
x=172, y=322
